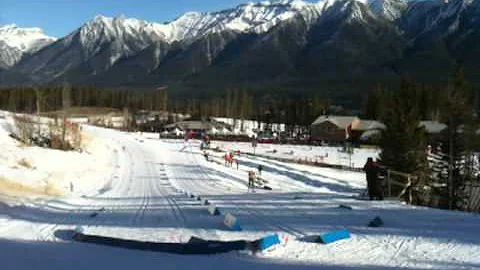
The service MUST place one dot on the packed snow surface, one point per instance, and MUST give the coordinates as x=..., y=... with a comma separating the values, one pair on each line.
x=136, y=183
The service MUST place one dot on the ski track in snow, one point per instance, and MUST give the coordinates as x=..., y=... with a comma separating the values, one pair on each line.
x=275, y=224
x=143, y=199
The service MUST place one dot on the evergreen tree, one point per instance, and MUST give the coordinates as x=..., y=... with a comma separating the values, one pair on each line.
x=165, y=100
x=66, y=96
x=228, y=103
x=375, y=103
x=12, y=106
x=235, y=105
x=459, y=115
x=403, y=143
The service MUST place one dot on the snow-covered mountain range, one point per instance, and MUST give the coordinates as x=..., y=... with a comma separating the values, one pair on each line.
x=246, y=18
x=15, y=42
x=269, y=39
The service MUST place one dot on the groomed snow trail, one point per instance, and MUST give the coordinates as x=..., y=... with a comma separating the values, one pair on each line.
x=144, y=199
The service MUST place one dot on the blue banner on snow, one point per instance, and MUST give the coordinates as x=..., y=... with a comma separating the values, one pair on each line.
x=268, y=242
x=194, y=246
x=331, y=237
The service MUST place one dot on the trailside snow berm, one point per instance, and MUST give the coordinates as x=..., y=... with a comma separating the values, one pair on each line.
x=331, y=237
x=195, y=246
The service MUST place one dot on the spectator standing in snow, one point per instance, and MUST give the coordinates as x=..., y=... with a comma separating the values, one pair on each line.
x=373, y=185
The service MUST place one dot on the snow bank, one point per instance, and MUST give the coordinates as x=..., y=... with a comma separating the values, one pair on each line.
x=43, y=169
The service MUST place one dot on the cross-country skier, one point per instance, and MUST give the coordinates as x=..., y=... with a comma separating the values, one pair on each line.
x=225, y=157
x=230, y=159
x=260, y=168
x=251, y=180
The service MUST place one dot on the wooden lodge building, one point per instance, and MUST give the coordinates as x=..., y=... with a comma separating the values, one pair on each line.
x=335, y=129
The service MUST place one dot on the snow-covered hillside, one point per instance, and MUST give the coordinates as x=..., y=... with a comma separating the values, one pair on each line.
x=430, y=16
x=245, y=18
x=389, y=9
x=36, y=171
x=16, y=41
x=125, y=36
x=250, y=17
x=131, y=35
x=142, y=197
x=198, y=43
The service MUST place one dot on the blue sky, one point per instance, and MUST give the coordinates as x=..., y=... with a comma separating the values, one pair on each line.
x=60, y=17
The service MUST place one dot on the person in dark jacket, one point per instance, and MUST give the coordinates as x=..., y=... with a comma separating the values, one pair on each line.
x=371, y=170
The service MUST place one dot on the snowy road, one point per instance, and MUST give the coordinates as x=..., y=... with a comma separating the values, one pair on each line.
x=143, y=199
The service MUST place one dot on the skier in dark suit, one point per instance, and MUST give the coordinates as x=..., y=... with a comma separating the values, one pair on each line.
x=260, y=169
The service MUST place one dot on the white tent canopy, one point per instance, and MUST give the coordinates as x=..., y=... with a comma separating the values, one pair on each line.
x=225, y=131
x=178, y=132
x=213, y=131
